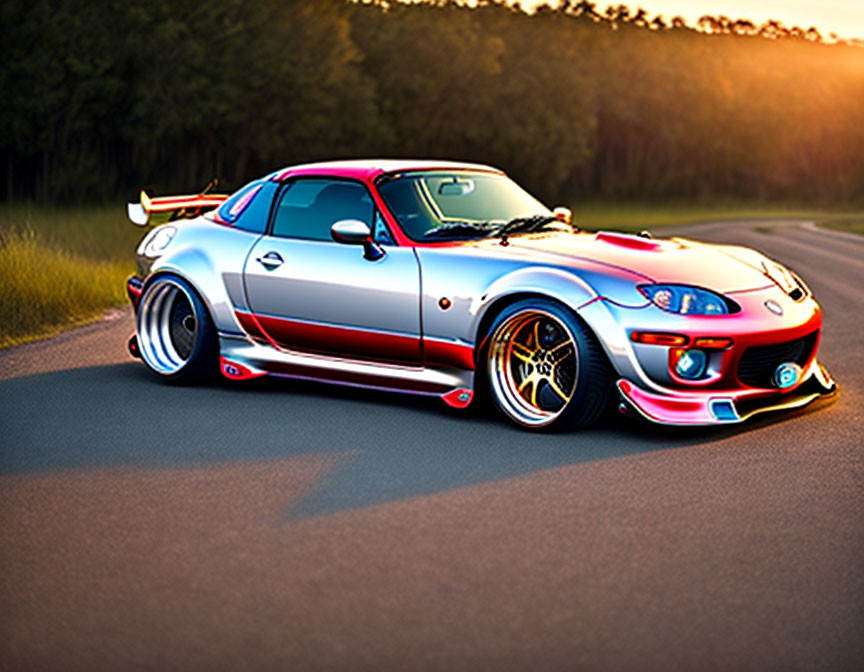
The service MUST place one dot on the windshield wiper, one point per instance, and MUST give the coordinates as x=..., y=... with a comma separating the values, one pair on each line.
x=490, y=229
x=460, y=229
x=525, y=224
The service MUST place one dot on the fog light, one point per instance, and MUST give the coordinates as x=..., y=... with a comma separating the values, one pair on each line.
x=691, y=364
x=786, y=375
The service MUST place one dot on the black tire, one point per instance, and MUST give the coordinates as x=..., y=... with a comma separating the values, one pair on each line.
x=552, y=377
x=176, y=336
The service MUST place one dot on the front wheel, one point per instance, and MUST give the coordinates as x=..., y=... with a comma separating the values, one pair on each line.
x=546, y=369
x=176, y=337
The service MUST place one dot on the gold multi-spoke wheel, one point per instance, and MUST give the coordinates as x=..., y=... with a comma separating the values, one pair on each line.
x=535, y=361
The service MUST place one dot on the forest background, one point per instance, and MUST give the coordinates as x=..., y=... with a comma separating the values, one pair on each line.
x=102, y=97
x=632, y=120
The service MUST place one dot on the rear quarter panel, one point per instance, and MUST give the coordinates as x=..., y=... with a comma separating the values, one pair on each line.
x=210, y=257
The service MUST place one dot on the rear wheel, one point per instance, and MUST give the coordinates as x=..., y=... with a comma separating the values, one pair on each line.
x=546, y=370
x=176, y=336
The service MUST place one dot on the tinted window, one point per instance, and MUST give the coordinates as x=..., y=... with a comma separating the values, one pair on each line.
x=254, y=217
x=308, y=208
x=249, y=208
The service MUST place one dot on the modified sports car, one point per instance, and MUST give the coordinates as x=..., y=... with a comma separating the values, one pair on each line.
x=448, y=279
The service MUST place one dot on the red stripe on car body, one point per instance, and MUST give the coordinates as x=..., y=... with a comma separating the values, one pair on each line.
x=327, y=339
x=448, y=353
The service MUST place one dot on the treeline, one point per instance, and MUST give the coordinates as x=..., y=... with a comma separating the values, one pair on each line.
x=103, y=96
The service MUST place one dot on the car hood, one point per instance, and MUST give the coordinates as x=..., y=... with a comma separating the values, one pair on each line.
x=722, y=268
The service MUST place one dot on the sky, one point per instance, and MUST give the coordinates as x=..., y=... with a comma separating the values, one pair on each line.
x=844, y=17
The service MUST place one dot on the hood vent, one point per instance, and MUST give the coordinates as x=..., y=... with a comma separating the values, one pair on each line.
x=630, y=241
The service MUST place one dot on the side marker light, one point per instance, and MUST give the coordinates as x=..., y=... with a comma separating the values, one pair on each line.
x=658, y=338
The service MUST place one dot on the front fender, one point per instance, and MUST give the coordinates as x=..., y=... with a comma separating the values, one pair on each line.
x=601, y=314
x=574, y=292
x=553, y=283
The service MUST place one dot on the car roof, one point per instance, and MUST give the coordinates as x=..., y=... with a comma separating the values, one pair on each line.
x=369, y=169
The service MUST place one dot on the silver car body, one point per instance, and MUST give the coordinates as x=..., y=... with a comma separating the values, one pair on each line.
x=414, y=320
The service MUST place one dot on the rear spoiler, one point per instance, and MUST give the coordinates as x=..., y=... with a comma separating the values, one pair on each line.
x=179, y=206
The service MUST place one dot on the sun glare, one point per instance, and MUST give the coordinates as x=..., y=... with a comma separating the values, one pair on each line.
x=843, y=18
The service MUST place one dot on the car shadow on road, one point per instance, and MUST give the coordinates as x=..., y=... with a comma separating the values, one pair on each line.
x=391, y=446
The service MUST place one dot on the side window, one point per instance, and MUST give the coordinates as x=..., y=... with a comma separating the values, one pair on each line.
x=255, y=215
x=309, y=207
x=249, y=207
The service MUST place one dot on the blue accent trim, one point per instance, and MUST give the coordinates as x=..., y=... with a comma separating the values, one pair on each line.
x=724, y=410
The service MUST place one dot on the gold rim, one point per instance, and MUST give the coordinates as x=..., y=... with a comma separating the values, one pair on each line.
x=533, y=364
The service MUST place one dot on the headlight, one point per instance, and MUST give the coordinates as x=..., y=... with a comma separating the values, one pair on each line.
x=159, y=240
x=685, y=300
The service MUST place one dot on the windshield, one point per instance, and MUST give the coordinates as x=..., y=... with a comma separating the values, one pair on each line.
x=457, y=204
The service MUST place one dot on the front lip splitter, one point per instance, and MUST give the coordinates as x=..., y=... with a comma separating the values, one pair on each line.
x=720, y=408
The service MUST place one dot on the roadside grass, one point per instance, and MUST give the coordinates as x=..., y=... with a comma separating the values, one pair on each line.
x=99, y=233
x=594, y=216
x=850, y=223
x=60, y=268
x=63, y=267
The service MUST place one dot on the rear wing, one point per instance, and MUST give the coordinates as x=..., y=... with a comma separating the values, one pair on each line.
x=180, y=207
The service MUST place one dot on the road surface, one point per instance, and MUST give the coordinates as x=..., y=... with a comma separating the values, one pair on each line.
x=294, y=526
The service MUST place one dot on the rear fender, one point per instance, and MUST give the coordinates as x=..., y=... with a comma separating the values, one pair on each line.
x=197, y=269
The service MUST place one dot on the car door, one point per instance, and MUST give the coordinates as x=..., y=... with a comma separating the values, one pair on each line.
x=311, y=294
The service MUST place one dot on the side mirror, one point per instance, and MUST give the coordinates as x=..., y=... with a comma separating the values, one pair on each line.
x=350, y=232
x=355, y=232
x=563, y=214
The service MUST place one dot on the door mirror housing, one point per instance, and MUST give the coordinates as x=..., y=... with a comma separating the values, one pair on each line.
x=356, y=232
x=350, y=232
x=563, y=214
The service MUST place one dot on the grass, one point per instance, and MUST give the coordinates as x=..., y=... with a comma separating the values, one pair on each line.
x=62, y=267
x=594, y=216
x=849, y=223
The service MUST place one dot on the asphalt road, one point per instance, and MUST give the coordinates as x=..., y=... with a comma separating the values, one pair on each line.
x=295, y=526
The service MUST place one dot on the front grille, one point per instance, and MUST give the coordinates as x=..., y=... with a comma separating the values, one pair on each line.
x=759, y=362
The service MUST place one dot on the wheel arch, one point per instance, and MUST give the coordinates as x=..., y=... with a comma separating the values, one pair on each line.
x=566, y=289
x=169, y=272
x=497, y=307
x=196, y=269
x=595, y=316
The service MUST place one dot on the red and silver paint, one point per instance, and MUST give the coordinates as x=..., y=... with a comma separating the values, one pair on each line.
x=414, y=319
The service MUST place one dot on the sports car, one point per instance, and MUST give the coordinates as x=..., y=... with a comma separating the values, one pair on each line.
x=449, y=279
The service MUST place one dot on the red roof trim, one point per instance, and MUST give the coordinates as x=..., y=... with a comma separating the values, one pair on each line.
x=367, y=171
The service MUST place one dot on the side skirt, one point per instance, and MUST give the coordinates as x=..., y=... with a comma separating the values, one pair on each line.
x=242, y=359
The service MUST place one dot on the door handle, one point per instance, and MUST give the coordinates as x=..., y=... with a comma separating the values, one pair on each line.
x=270, y=260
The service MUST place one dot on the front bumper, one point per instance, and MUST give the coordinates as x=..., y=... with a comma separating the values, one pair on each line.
x=721, y=408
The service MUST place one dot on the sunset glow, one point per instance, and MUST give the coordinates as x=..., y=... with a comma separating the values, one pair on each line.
x=843, y=17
